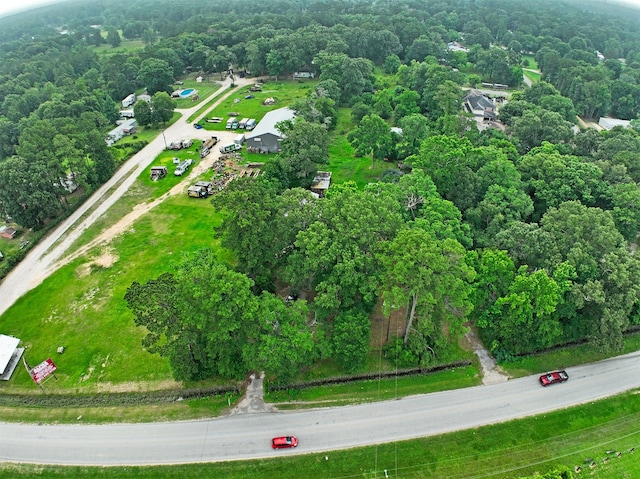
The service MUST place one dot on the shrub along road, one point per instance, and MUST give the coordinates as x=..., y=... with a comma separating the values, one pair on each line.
x=247, y=436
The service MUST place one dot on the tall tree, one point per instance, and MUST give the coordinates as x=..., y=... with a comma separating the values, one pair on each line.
x=432, y=279
x=155, y=75
x=372, y=136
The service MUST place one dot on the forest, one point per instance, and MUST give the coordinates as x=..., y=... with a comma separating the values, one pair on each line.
x=527, y=232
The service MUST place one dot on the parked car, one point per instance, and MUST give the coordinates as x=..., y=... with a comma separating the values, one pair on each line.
x=284, y=442
x=553, y=377
x=249, y=97
x=197, y=126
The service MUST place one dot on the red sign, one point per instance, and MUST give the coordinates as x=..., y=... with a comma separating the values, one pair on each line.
x=43, y=370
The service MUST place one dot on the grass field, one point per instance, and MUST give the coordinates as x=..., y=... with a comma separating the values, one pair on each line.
x=283, y=92
x=503, y=451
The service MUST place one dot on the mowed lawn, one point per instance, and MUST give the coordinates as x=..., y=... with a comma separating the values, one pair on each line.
x=82, y=307
x=283, y=93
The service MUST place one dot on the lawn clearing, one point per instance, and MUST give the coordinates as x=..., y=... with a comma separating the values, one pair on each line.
x=82, y=307
x=283, y=92
x=533, y=76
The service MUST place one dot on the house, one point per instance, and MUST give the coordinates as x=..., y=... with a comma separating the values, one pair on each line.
x=480, y=106
x=265, y=137
x=298, y=75
x=609, y=123
x=457, y=47
x=321, y=183
x=127, y=127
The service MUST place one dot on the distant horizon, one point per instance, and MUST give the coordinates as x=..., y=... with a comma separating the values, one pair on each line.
x=7, y=8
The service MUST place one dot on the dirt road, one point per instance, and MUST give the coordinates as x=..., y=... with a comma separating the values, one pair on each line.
x=48, y=255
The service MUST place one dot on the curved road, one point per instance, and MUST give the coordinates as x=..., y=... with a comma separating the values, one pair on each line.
x=247, y=436
x=40, y=262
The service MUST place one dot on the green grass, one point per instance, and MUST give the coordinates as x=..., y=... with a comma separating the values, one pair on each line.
x=177, y=411
x=374, y=390
x=565, y=357
x=82, y=307
x=533, y=76
x=283, y=92
x=508, y=450
x=532, y=62
x=343, y=164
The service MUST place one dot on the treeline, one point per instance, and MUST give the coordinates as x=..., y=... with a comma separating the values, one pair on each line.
x=53, y=82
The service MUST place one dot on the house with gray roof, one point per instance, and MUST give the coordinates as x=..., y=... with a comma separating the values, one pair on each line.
x=480, y=105
x=265, y=137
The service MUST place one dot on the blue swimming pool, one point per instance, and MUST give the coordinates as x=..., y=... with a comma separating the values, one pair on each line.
x=187, y=93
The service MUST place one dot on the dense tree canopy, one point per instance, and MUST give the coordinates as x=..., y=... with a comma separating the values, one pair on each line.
x=530, y=232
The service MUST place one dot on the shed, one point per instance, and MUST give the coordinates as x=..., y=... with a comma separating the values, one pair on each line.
x=265, y=137
x=321, y=183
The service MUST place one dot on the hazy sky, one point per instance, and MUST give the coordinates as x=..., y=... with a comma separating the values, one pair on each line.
x=7, y=6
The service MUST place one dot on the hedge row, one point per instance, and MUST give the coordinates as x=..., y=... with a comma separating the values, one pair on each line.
x=114, y=399
x=367, y=376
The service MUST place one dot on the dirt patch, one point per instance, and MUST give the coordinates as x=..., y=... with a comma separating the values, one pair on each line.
x=108, y=387
x=491, y=372
x=383, y=328
x=106, y=259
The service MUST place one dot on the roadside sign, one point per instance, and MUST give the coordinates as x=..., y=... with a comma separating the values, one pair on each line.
x=43, y=370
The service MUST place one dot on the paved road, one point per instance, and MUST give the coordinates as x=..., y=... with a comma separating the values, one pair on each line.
x=246, y=436
x=41, y=260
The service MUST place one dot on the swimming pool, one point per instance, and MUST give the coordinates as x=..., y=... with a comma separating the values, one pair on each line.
x=188, y=92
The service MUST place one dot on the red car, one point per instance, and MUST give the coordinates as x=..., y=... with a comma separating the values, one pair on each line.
x=553, y=377
x=284, y=442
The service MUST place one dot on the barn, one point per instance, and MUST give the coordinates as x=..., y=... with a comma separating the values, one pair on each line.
x=265, y=137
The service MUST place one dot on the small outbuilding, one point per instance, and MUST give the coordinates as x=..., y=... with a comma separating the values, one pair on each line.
x=321, y=183
x=7, y=232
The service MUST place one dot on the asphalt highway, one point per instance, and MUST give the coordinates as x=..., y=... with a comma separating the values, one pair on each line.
x=247, y=436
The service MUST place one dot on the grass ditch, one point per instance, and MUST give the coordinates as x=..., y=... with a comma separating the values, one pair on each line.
x=566, y=438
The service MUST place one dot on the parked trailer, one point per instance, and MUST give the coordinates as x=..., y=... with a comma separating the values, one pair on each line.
x=129, y=100
x=239, y=139
x=158, y=172
x=230, y=148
